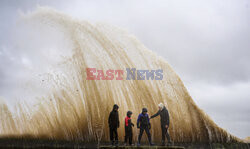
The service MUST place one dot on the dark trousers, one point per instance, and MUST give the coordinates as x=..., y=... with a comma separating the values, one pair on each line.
x=113, y=133
x=164, y=132
x=128, y=135
x=147, y=132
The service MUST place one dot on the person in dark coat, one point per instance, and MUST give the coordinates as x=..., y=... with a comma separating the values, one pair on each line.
x=144, y=124
x=114, y=123
x=163, y=112
x=128, y=128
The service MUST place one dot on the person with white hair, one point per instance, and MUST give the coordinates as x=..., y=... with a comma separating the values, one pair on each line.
x=163, y=112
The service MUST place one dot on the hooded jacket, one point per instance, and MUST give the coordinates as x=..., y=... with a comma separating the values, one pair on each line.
x=114, y=118
x=143, y=120
x=164, y=116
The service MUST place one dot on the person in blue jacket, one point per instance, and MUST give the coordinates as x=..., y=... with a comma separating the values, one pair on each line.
x=144, y=124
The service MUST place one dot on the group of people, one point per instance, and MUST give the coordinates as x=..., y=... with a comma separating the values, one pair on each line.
x=143, y=123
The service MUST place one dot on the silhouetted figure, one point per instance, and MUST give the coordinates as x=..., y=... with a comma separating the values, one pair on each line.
x=144, y=124
x=128, y=128
x=163, y=112
x=114, y=123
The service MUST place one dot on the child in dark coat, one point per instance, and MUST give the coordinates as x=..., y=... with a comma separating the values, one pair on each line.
x=114, y=123
x=128, y=128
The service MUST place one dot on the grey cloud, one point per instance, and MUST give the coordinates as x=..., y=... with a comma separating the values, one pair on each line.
x=227, y=105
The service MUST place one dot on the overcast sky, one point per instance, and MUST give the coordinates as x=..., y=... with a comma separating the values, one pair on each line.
x=206, y=42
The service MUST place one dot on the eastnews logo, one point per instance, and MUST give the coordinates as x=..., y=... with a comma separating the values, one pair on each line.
x=131, y=74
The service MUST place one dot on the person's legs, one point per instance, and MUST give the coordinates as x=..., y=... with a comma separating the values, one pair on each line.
x=140, y=135
x=111, y=135
x=130, y=137
x=116, y=135
x=149, y=135
x=126, y=137
x=126, y=134
x=168, y=136
x=163, y=133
